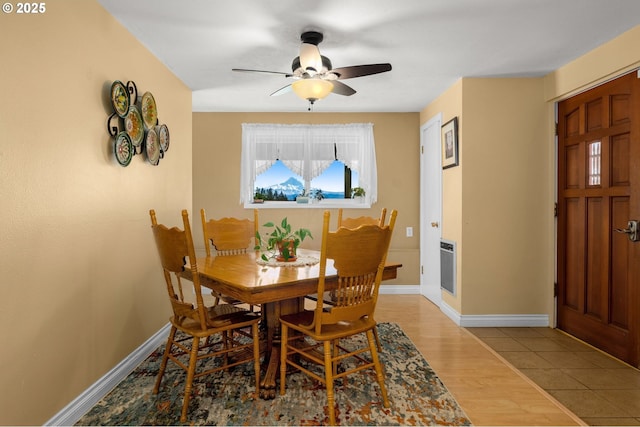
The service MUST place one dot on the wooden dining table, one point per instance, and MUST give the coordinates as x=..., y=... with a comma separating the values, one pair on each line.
x=279, y=289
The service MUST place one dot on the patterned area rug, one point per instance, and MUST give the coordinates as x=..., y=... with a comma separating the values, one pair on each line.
x=416, y=394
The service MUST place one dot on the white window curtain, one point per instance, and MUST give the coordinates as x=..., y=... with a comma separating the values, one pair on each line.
x=308, y=150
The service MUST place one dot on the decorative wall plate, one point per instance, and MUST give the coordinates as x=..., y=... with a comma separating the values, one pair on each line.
x=149, y=110
x=123, y=149
x=163, y=134
x=152, y=147
x=134, y=127
x=120, y=98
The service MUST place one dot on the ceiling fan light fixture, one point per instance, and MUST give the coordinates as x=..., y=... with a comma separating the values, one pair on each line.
x=312, y=89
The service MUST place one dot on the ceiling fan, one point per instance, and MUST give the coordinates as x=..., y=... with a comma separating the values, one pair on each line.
x=313, y=75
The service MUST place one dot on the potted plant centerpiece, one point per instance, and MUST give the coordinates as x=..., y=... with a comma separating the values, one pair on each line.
x=318, y=195
x=259, y=197
x=303, y=197
x=281, y=243
x=358, y=193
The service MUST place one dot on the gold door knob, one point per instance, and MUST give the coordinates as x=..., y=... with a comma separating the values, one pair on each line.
x=434, y=224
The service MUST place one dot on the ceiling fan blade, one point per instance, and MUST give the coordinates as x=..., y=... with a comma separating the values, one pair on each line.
x=282, y=90
x=310, y=57
x=342, y=89
x=360, y=70
x=244, y=70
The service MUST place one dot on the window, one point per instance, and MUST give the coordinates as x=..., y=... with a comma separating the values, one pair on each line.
x=285, y=159
x=595, y=160
x=279, y=183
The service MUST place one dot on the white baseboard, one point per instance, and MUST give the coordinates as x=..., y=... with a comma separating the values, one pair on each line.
x=399, y=289
x=495, y=320
x=71, y=413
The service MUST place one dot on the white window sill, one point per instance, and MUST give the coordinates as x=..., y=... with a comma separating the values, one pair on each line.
x=322, y=204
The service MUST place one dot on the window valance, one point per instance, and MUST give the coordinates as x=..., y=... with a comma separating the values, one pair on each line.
x=308, y=150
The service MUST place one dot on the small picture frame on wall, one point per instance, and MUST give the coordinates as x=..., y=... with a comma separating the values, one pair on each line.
x=449, y=140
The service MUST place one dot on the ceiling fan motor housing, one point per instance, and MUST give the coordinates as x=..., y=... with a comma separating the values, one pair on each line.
x=311, y=37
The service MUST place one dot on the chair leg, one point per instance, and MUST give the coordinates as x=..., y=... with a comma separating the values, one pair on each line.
x=165, y=358
x=193, y=358
x=378, y=366
x=225, y=345
x=335, y=363
x=256, y=355
x=216, y=298
x=284, y=332
x=336, y=352
x=328, y=375
x=375, y=334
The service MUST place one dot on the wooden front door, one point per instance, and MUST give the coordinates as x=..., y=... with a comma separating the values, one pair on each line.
x=598, y=192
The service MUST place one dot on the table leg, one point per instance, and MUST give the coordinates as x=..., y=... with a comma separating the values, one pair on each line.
x=272, y=312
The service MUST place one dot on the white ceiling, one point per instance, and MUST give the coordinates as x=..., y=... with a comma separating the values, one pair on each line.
x=429, y=43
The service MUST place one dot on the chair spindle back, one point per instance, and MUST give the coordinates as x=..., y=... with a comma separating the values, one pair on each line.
x=229, y=236
x=175, y=246
x=359, y=256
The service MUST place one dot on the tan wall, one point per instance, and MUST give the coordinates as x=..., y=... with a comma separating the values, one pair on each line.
x=217, y=144
x=498, y=203
x=80, y=277
x=606, y=62
x=506, y=210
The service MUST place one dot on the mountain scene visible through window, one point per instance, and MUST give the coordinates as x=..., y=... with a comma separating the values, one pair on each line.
x=281, y=184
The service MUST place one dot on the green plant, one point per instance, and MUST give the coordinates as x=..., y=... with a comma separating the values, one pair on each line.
x=259, y=196
x=318, y=195
x=358, y=192
x=272, y=245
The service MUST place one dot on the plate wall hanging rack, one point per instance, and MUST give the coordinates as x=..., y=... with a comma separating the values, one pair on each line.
x=134, y=125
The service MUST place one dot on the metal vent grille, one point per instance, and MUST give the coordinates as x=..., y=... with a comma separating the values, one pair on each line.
x=448, y=266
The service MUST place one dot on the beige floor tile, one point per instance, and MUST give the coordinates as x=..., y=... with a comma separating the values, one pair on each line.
x=628, y=399
x=522, y=332
x=566, y=359
x=553, y=379
x=587, y=404
x=541, y=344
x=552, y=333
x=603, y=360
x=606, y=379
x=571, y=344
x=525, y=359
x=504, y=344
x=612, y=421
x=487, y=332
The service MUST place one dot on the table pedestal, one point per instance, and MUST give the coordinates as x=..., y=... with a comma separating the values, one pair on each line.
x=271, y=315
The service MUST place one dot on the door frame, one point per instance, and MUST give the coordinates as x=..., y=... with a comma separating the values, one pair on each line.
x=430, y=208
x=634, y=345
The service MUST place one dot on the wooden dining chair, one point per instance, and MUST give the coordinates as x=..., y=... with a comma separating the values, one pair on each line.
x=229, y=236
x=354, y=222
x=361, y=220
x=359, y=257
x=235, y=328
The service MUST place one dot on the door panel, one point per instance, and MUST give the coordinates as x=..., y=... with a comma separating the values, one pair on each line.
x=598, y=192
x=430, y=209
